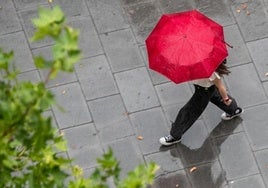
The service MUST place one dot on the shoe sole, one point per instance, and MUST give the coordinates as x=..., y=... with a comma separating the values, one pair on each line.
x=233, y=116
x=169, y=144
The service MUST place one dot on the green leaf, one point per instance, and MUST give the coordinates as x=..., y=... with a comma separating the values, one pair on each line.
x=5, y=59
x=47, y=16
x=60, y=144
x=49, y=23
x=140, y=177
x=41, y=63
x=40, y=34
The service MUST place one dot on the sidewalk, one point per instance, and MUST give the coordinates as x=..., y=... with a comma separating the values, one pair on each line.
x=113, y=99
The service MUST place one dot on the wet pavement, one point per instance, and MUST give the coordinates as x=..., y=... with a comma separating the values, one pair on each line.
x=113, y=99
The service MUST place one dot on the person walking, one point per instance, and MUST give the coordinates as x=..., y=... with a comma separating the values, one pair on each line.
x=207, y=90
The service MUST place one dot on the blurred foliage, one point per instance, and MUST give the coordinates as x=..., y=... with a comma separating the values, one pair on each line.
x=29, y=143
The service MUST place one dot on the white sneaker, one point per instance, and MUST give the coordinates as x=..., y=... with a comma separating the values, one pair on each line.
x=168, y=140
x=226, y=116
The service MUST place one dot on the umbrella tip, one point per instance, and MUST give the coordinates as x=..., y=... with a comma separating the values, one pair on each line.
x=228, y=44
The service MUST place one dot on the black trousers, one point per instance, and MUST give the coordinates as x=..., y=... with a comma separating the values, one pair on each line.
x=191, y=111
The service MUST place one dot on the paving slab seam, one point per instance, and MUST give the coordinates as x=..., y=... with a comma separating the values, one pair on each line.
x=166, y=173
x=262, y=174
x=39, y=47
x=235, y=66
x=249, y=107
x=10, y=33
x=33, y=6
x=102, y=97
x=200, y=164
x=259, y=168
x=121, y=138
x=242, y=177
x=78, y=125
x=28, y=71
x=127, y=69
x=145, y=109
x=256, y=40
x=113, y=31
x=138, y=3
x=63, y=84
x=227, y=134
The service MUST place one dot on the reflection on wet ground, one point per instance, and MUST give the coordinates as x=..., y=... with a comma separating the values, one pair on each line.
x=201, y=167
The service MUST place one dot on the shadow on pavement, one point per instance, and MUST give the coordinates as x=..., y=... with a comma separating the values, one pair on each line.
x=201, y=166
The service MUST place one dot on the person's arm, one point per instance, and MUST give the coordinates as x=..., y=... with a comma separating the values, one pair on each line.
x=222, y=90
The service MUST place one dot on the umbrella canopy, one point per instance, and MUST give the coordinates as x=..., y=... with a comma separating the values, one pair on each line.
x=186, y=46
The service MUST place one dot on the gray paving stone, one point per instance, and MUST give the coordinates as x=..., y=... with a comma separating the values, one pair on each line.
x=22, y=4
x=212, y=116
x=81, y=136
x=176, y=179
x=252, y=21
x=62, y=77
x=95, y=77
x=142, y=17
x=265, y=85
x=116, y=131
x=89, y=41
x=228, y=127
x=131, y=2
x=217, y=10
x=136, y=89
x=173, y=6
x=122, y=50
x=259, y=54
x=25, y=18
x=196, y=147
x=17, y=43
x=238, y=4
x=83, y=145
x=196, y=136
x=262, y=160
x=32, y=76
x=155, y=76
x=107, y=111
x=72, y=8
x=151, y=125
x=71, y=99
x=265, y=3
x=239, y=53
x=209, y=175
x=170, y=93
x=171, y=111
x=110, y=118
x=257, y=130
x=247, y=90
x=9, y=20
x=126, y=150
x=248, y=182
x=216, y=127
x=86, y=156
x=236, y=156
x=165, y=161
x=108, y=15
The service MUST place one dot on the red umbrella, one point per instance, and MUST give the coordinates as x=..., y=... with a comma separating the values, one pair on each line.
x=186, y=46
